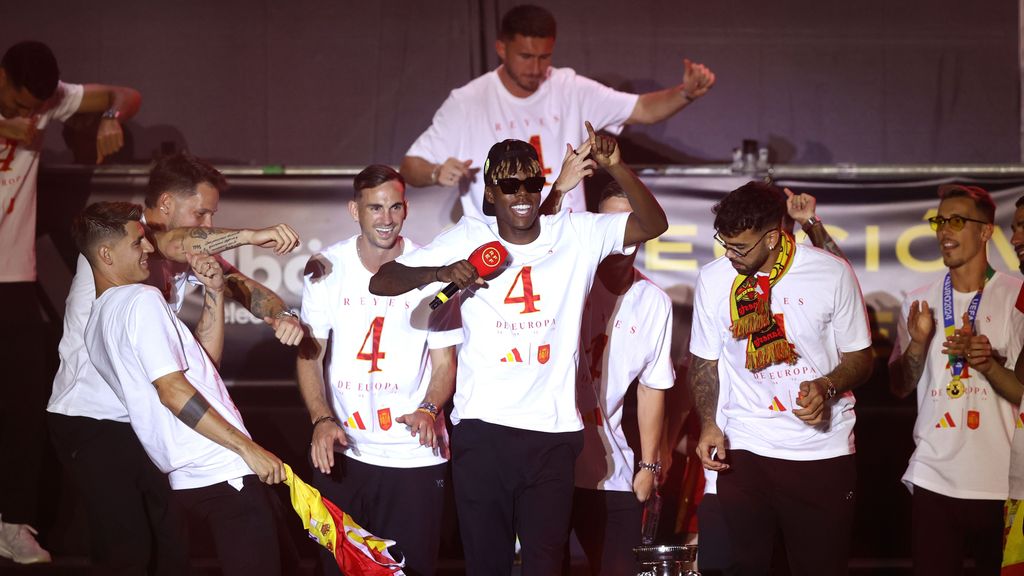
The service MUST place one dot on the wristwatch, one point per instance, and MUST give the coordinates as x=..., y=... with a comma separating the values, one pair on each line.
x=287, y=312
x=830, y=392
x=111, y=114
x=655, y=468
x=810, y=222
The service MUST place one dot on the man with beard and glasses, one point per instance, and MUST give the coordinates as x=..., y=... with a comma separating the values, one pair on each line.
x=783, y=328
x=958, y=473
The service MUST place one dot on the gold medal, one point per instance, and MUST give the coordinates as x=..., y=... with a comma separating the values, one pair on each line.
x=955, y=389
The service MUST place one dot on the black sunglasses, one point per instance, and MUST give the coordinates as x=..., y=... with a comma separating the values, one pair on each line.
x=533, y=184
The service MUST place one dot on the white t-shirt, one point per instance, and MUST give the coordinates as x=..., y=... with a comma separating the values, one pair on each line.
x=822, y=310
x=133, y=338
x=624, y=338
x=963, y=444
x=78, y=390
x=19, y=167
x=379, y=366
x=517, y=364
x=483, y=113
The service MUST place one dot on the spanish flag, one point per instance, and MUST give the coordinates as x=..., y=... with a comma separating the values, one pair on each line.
x=356, y=550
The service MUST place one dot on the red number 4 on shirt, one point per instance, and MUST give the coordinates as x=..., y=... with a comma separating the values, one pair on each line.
x=376, y=327
x=528, y=298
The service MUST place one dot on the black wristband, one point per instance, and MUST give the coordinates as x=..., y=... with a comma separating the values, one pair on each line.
x=322, y=419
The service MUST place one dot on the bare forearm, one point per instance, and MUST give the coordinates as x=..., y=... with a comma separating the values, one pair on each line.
x=417, y=172
x=309, y=370
x=210, y=329
x=257, y=298
x=853, y=370
x=650, y=406
x=100, y=97
x=553, y=203
x=648, y=215
x=1005, y=382
x=656, y=106
x=704, y=383
x=192, y=409
x=393, y=278
x=176, y=244
x=442, y=376
x=820, y=238
x=905, y=371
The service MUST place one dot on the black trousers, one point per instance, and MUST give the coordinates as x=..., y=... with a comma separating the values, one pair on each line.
x=511, y=482
x=400, y=504
x=714, y=551
x=242, y=522
x=135, y=525
x=24, y=390
x=607, y=524
x=944, y=528
x=811, y=502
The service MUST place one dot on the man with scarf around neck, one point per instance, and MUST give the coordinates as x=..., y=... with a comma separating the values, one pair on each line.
x=784, y=329
x=958, y=474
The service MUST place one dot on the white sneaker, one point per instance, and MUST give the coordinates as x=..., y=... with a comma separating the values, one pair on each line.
x=18, y=542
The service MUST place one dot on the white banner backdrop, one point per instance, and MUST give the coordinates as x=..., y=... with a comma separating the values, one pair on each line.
x=881, y=227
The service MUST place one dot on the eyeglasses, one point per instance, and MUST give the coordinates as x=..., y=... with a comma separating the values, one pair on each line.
x=956, y=222
x=533, y=184
x=738, y=252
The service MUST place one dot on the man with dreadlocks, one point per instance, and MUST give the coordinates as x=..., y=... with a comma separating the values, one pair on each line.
x=784, y=329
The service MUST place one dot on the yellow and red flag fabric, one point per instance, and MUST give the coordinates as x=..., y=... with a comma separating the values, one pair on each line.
x=356, y=550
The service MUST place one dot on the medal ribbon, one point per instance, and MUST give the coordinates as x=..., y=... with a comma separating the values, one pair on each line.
x=956, y=363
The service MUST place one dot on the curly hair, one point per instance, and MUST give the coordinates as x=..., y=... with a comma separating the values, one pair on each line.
x=753, y=206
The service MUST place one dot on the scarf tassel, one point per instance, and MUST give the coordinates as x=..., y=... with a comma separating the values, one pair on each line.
x=754, y=321
x=772, y=353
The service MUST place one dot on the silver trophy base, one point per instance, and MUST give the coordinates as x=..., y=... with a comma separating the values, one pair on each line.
x=666, y=560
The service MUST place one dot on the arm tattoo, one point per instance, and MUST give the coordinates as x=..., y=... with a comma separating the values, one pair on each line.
x=820, y=238
x=912, y=367
x=226, y=242
x=704, y=383
x=198, y=233
x=193, y=410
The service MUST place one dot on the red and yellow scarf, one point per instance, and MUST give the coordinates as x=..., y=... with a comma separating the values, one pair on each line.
x=751, y=314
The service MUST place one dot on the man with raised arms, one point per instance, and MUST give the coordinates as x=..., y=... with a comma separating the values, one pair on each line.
x=518, y=431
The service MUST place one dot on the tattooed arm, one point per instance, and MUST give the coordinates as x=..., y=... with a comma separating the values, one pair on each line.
x=800, y=208
x=852, y=371
x=906, y=366
x=178, y=243
x=262, y=303
x=704, y=383
x=189, y=406
x=210, y=330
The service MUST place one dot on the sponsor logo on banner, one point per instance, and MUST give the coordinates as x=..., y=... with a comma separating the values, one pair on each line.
x=946, y=421
x=512, y=356
x=544, y=353
x=777, y=405
x=384, y=418
x=355, y=421
x=973, y=419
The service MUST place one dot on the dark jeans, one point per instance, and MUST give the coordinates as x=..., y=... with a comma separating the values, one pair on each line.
x=607, y=524
x=945, y=528
x=135, y=525
x=511, y=482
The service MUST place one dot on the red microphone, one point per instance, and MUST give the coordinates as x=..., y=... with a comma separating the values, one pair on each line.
x=486, y=259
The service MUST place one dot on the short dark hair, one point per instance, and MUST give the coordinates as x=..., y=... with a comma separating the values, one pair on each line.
x=528, y=20
x=372, y=176
x=33, y=66
x=612, y=190
x=1020, y=202
x=180, y=174
x=981, y=198
x=102, y=221
x=753, y=206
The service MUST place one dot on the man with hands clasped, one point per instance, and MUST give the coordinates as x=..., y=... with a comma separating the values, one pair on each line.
x=783, y=328
x=958, y=337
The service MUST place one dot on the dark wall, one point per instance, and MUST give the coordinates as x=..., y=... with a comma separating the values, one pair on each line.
x=349, y=83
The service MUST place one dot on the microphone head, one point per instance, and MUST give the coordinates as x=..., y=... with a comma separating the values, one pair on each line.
x=488, y=258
